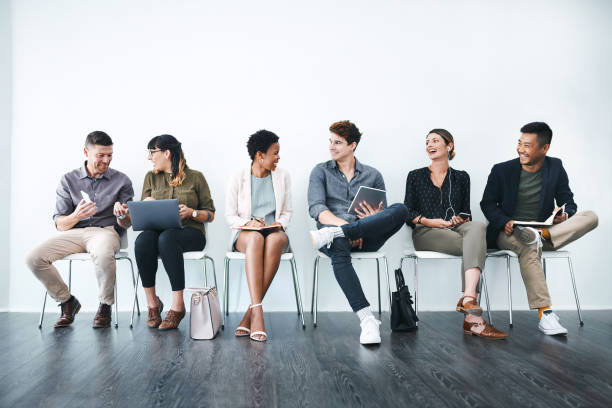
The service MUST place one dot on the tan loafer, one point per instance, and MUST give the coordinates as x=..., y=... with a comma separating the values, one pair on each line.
x=488, y=332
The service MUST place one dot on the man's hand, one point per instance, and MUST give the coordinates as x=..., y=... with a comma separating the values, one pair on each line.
x=84, y=209
x=358, y=243
x=560, y=218
x=184, y=211
x=120, y=209
x=365, y=209
x=509, y=229
x=436, y=223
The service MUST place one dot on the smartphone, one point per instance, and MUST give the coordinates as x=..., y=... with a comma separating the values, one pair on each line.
x=85, y=197
x=465, y=216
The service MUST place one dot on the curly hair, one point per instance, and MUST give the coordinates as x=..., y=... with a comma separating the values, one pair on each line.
x=177, y=157
x=260, y=141
x=448, y=138
x=347, y=130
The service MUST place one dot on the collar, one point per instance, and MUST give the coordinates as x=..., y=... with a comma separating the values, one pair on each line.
x=358, y=165
x=83, y=172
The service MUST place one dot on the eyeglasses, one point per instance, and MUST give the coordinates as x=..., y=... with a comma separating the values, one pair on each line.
x=151, y=151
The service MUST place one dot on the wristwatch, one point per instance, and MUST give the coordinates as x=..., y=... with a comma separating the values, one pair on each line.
x=195, y=214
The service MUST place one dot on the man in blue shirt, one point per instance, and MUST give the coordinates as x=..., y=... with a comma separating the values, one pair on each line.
x=333, y=185
x=526, y=189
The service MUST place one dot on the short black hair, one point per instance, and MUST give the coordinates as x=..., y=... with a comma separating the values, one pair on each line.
x=260, y=141
x=98, y=137
x=541, y=129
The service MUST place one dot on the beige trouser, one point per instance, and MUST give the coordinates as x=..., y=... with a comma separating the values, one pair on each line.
x=467, y=240
x=530, y=258
x=100, y=243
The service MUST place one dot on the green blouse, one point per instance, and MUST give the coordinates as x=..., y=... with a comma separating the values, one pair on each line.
x=194, y=192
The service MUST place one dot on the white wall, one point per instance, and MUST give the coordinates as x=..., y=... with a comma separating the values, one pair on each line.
x=211, y=74
x=5, y=139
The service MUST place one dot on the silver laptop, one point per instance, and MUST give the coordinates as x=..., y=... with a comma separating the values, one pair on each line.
x=157, y=215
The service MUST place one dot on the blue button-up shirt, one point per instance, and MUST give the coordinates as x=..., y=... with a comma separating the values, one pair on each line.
x=328, y=189
x=105, y=190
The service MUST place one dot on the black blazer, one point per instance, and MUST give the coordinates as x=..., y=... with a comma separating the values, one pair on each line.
x=500, y=194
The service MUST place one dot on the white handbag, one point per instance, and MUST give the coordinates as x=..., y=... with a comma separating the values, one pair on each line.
x=205, y=314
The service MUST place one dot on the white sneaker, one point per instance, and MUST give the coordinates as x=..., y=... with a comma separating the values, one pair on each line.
x=322, y=237
x=370, y=333
x=550, y=325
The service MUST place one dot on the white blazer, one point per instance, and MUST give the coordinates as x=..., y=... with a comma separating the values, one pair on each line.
x=238, y=199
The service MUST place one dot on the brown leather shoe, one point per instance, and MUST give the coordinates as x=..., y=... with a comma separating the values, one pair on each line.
x=172, y=320
x=69, y=309
x=154, y=317
x=102, y=319
x=488, y=332
x=470, y=307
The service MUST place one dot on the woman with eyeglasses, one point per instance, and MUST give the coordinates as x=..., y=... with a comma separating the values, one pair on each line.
x=438, y=201
x=259, y=196
x=171, y=178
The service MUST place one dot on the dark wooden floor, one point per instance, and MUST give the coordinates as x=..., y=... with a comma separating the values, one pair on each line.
x=322, y=367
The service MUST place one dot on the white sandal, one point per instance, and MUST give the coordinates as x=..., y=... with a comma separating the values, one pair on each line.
x=258, y=333
x=247, y=330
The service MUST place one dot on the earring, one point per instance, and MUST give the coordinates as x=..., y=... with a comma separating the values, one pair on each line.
x=260, y=161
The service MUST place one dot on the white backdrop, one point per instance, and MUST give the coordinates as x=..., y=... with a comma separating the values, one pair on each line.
x=211, y=74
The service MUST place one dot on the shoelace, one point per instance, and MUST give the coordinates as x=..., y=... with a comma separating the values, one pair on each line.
x=538, y=238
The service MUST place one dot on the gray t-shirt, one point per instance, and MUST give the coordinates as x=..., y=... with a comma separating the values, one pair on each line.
x=528, y=199
x=263, y=203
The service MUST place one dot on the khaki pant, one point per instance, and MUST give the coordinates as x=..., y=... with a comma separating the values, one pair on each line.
x=530, y=258
x=467, y=240
x=100, y=243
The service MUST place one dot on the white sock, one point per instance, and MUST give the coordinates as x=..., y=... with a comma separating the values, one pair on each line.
x=363, y=313
x=338, y=233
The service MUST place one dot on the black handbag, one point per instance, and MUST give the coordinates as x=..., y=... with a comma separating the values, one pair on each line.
x=403, y=316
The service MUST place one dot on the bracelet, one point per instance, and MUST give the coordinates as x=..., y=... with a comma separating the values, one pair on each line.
x=419, y=220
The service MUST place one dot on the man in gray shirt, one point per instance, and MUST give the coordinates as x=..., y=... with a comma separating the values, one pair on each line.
x=333, y=186
x=89, y=210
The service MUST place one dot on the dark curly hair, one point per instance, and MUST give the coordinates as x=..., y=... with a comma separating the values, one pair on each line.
x=260, y=141
x=347, y=130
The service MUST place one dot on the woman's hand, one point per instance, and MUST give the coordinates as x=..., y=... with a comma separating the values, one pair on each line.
x=456, y=221
x=435, y=223
x=255, y=223
x=276, y=224
x=184, y=211
x=149, y=199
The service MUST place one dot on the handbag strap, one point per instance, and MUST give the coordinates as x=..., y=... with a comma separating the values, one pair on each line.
x=399, y=279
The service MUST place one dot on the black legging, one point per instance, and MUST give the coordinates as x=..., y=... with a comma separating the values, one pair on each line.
x=169, y=245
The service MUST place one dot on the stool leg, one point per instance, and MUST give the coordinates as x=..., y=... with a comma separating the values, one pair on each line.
x=42, y=314
x=296, y=286
x=315, y=290
x=313, y=285
x=416, y=286
x=134, y=283
x=509, y=289
x=388, y=281
x=378, y=281
x=205, y=274
x=295, y=291
x=226, y=289
x=70, y=276
x=486, y=293
x=569, y=261
x=134, y=302
x=115, y=306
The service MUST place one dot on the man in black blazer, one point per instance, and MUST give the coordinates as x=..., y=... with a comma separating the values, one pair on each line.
x=526, y=189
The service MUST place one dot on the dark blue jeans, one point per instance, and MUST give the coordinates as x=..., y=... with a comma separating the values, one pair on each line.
x=375, y=231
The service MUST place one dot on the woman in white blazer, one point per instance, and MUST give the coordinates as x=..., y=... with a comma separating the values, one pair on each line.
x=259, y=196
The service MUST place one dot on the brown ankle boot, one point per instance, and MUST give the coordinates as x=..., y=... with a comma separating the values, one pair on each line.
x=102, y=318
x=69, y=309
x=172, y=320
x=154, y=316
